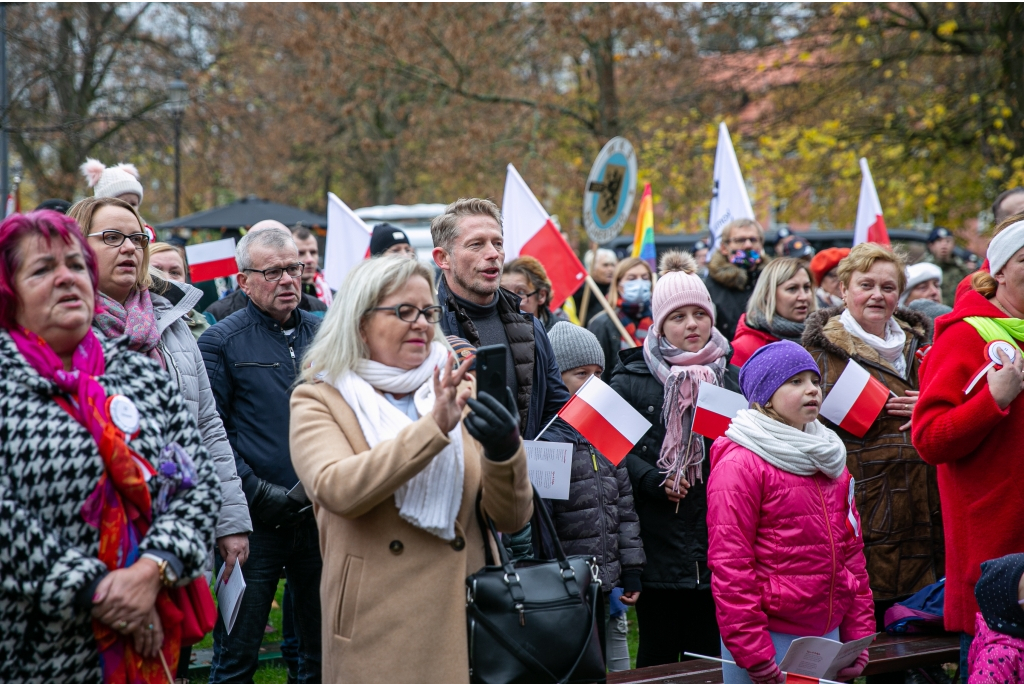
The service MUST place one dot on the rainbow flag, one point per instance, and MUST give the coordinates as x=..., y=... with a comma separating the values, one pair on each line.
x=643, y=238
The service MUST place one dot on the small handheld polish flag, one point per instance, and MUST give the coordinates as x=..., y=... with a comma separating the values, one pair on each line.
x=605, y=419
x=715, y=410
x=207, y=261
x=855, y=401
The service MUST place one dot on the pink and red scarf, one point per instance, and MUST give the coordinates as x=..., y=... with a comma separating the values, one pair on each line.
x=682, y=373
x=135, y=318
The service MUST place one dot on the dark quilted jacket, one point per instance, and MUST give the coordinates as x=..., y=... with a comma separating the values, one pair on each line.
x=599, y=520
x=676, y=543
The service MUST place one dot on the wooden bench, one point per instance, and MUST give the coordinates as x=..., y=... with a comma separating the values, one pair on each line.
x=888, y=654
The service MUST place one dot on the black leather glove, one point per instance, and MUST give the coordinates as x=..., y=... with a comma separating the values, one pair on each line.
x=493, y=426
x=272, y=505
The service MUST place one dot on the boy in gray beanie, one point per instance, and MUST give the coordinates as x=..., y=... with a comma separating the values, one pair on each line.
x=577, y=353
x=598, y=519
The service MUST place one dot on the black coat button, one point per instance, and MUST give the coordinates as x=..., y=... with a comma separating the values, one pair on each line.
x=396, y=547
x=459, y=543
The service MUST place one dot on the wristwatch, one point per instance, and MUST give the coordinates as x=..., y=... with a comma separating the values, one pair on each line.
x=167, y=575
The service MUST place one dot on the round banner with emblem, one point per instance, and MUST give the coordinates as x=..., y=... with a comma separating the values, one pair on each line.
x=611, y=188
x=124, y=414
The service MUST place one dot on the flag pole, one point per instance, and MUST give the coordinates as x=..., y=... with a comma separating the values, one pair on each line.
x=611, y=312
x=537, y=437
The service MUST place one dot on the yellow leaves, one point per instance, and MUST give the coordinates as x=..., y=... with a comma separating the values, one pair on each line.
x=863, y=22
x=804, y=56
x=994, y=172
x=859, y=39
x=887, y=73
x=876, y=62
x=914, y=35
x=1006, y=112
x=998, y=123
x=947, y=28
x=974, y=99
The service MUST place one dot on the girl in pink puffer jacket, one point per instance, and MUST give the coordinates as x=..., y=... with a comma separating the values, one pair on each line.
x=997, y=652
x=785, y=550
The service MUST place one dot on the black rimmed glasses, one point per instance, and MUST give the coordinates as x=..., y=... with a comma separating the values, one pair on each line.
x=410, y=312
x=523, y=295
x=276, y=274
x=113, y=238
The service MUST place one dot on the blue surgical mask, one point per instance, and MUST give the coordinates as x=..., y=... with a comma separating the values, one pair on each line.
x=637, y=291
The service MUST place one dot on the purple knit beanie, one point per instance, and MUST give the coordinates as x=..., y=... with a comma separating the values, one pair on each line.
x=771, y=366
x=678, y=286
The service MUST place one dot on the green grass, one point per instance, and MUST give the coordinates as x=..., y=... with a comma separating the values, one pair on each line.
x=275, y=620
x=267, y=674
x=633, y=636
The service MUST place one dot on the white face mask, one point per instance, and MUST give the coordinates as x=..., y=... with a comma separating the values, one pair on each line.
x=637, y=291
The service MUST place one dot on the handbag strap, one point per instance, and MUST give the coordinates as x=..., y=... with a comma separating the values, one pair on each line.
x=525, y=657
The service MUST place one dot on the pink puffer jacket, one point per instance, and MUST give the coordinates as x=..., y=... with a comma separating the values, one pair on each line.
x=783, y=554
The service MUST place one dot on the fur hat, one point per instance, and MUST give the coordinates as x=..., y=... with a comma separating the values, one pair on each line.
x=678, y=285
x=112, y=181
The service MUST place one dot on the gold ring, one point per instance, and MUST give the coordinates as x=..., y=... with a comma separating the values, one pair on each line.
x=122, y=624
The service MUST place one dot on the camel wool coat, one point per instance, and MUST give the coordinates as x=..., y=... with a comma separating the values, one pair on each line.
x=393, y=596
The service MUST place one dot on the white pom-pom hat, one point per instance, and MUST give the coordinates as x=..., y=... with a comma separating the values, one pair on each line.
x=112, y=181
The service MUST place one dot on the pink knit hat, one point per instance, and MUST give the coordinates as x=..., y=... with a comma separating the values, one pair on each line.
x=678, y=285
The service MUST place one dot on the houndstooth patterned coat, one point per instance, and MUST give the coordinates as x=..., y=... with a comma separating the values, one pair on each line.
x=49, y=464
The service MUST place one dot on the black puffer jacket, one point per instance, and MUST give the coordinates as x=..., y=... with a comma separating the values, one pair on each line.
x=598, y=519
x=676, y=544
x=730, y=288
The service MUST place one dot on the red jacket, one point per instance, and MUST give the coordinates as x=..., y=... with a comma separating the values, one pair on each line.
x=747, y=341
x=782, y=554
x=977, y=449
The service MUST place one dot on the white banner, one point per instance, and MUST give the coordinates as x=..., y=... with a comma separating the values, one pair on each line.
x=729, y=199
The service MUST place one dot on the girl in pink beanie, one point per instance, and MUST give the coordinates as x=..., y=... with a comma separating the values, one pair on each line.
x=669, y=467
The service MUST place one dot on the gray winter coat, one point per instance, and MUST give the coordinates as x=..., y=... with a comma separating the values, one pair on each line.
x=186, y=368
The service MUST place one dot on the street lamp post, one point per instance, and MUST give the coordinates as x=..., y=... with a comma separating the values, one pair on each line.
x=177, y=100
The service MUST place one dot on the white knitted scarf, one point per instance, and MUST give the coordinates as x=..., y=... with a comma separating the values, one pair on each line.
x=889, y=348
x=804, y=453
x=430, y=500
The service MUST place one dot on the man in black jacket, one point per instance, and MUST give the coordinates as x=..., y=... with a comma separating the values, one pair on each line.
x=469, y=250
x=733, y=272
x=253, y=358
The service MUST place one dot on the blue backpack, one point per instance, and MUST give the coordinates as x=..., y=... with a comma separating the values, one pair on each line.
x=919, y=613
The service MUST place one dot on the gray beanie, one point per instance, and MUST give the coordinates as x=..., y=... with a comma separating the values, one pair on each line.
x=574, y=346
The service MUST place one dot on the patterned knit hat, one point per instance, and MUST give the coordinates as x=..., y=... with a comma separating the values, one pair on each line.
x=112, y=181
x=678, y=285
x=574, y=347
x=771, y=366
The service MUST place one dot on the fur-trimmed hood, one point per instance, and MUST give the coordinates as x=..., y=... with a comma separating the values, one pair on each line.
x=824, y=330
x=728, y=275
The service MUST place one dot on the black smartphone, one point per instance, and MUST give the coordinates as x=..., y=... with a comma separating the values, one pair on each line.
x=490, y=373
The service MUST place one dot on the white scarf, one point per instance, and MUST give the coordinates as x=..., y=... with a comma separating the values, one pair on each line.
x=804, y=453
x=889, y=349
x=430, y=500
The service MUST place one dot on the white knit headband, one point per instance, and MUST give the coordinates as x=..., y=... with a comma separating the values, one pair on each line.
x=1004, y=246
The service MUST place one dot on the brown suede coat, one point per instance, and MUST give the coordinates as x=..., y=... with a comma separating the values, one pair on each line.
x=897, y=493
x=393, y=596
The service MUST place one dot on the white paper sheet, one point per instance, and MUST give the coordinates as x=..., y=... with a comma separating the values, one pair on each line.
x=819, y=657
x=550, y=467
x=229, y=595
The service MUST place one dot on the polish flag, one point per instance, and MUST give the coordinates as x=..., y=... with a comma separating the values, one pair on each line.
x=530, y=231
x=855, y=401
x=715, y=410
x=207, y=261
x=605, y=419
x=870, y=226
x=348, y=241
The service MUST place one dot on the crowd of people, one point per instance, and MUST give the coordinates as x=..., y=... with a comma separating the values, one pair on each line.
x=337, y=439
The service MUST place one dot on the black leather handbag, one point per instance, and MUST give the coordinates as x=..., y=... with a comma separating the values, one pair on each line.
x=534, y=621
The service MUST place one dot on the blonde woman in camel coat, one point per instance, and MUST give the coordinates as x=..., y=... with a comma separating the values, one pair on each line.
x=367, y=432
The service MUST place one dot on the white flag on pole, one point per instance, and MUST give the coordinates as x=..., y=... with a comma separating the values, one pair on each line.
x=348, y=241
x=870, y=226
x=729, y=199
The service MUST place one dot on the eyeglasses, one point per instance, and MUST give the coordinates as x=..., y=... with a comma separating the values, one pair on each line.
x=753, y=240
x=410, y=312
x=525, y=295
x=116, y=239
x=272, y=275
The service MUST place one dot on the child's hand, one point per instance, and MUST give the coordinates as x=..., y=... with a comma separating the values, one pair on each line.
x=670, y=490
x=629, y=598
x=854, y=669
x=767, y=672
